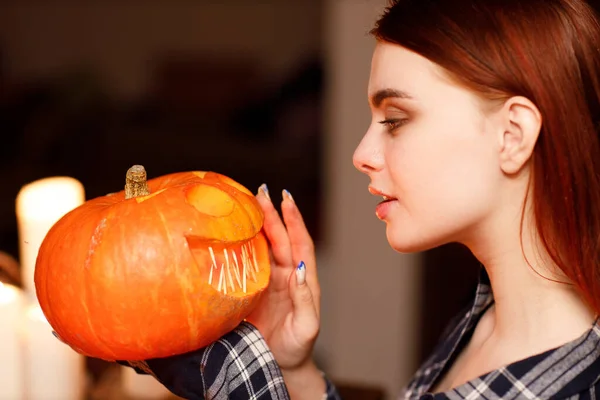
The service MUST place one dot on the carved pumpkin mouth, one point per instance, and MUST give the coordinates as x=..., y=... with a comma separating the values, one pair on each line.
x=231, y=268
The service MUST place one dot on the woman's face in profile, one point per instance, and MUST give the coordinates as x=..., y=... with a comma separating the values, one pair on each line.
x=431, y=149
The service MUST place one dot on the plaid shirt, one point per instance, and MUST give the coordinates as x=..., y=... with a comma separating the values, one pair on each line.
x=237, y=366
x=240, y=366
x=571, y=371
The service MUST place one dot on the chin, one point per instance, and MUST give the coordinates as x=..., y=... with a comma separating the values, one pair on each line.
x=406, y=242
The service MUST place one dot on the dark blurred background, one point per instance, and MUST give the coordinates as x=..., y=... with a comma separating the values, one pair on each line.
x=88, y=89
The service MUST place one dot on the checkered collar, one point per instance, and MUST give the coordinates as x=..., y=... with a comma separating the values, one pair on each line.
x=568, y=370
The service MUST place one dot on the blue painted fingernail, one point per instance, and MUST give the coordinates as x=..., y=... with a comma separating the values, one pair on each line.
x=265, y=190
x=287, y=195
x=301, y=273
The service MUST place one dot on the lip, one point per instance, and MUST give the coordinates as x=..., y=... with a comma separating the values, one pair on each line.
x=377, y=192
x=383, y=208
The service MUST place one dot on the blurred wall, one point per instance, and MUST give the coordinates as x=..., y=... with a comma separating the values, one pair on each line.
x=207, y=84
x=120, y=38
x=371, y=294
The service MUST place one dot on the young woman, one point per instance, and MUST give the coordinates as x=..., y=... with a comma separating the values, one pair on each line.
x=484, y=131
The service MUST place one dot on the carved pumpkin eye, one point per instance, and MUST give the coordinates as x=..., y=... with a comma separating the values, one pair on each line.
x=164, y=267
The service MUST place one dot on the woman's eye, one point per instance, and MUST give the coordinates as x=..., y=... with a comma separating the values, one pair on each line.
x=393, y=123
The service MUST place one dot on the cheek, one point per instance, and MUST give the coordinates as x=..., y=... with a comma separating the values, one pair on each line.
x=448, y=170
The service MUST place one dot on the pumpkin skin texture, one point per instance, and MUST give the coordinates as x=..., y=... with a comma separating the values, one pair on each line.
x=155, y=275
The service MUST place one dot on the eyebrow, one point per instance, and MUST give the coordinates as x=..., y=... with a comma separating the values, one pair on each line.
x=381, y=95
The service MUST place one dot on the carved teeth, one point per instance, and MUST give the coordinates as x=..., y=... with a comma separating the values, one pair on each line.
x=228, y=270
x=254, y=257
x=212, y=255
x=249, y=268
x=246, y=259
x=214, y=265
x=237, y=269
x=244, y=273
x=221, y=280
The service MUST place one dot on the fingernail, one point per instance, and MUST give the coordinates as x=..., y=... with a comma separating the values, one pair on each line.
x=301, y=273
x=265, y=190
x=287, y=195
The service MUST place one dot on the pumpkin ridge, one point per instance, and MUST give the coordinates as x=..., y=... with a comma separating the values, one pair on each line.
x=165, y=225
x=95, y=241
x=106, y=216
x=91, y=325
x=60, y=230
x=192, y=323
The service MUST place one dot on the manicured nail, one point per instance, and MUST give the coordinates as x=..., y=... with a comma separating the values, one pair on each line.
x=287, y=195
x=265, y=190
x=301, y=273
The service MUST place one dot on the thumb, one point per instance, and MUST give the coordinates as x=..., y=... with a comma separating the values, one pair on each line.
x=305, y=316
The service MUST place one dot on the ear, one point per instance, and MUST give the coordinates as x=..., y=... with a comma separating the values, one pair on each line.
x=522, y=122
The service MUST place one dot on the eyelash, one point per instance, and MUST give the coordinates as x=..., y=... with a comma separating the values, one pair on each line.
x=393, y=123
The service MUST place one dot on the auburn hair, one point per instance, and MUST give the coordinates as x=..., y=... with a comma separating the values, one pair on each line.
x=547, y=51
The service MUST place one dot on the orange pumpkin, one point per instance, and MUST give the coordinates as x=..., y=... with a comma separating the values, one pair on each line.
x=165, y=267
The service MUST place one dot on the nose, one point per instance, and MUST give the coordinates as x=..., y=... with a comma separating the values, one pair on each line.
x=368, y=156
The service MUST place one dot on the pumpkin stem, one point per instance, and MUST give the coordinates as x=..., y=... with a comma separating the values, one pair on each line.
x=135, y=182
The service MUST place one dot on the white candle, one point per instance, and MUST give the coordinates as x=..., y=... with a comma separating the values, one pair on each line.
x=53, y=370
x=12, y=383
x=137, y=386
x=39, y=205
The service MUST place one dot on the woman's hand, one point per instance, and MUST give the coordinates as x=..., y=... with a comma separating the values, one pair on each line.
x=288, y=314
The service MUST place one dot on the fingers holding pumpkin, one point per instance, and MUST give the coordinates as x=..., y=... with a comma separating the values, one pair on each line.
x=275, y=229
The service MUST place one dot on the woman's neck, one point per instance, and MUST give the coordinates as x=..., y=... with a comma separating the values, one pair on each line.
x=535, y=311
x=535, y=305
